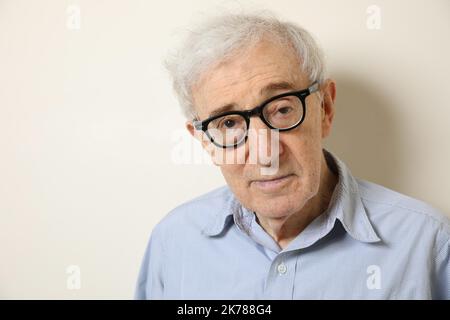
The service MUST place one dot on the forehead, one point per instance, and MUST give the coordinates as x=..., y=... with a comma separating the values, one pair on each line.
x=238, y=81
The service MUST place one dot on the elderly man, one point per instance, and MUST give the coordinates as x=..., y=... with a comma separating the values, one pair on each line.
x=306, y=229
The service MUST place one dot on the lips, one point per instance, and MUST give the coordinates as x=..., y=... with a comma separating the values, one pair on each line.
x=272, y=179
x=273, y=184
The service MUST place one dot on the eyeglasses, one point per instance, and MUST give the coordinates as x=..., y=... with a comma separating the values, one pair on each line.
x=282, y=112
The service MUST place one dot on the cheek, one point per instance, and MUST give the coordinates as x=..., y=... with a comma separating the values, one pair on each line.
x=304, y=154
x=233, y=175
x=311, y=168
x=312, y=177
x=304, y=148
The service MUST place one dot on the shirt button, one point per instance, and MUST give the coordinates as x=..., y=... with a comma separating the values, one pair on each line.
x=282, y=268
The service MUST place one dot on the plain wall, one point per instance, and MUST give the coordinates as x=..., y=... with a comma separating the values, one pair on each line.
x=89, y=124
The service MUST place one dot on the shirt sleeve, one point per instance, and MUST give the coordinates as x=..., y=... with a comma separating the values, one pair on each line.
x=150, y=283
x=442, y=269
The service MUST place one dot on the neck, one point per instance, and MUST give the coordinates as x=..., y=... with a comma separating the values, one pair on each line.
x=285, y=230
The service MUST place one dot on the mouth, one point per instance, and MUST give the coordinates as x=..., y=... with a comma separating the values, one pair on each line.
x=270, y=185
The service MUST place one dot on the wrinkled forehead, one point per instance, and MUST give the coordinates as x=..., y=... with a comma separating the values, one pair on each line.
x=248, y=77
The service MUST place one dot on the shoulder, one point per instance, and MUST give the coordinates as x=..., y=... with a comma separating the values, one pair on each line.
x=400, y=211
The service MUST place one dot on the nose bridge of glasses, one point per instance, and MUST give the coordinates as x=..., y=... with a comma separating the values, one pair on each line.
x=255, y=119
x=255, y=112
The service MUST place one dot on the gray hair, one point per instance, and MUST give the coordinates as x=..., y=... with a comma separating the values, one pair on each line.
x=222, y=37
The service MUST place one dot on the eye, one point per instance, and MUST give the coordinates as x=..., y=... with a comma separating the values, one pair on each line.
x=229, y=123
x=285, y=109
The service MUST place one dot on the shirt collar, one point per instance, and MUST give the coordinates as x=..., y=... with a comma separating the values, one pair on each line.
x=345, y=206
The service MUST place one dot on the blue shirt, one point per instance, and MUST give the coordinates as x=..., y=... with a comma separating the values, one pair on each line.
x=370, y=243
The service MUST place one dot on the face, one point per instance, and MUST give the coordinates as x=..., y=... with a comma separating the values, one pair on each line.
x=238, y=81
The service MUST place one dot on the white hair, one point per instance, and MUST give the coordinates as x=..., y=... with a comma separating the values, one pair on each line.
x=224, y=36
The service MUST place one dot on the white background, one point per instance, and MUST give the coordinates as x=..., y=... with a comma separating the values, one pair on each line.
x=88, y=120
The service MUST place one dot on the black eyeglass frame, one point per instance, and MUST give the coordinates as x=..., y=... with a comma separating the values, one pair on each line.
x=258, y=111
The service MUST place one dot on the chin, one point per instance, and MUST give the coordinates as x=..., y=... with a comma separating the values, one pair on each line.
x=277, y=206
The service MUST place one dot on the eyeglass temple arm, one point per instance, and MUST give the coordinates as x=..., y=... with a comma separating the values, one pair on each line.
x=197, y=124
x=313, y=88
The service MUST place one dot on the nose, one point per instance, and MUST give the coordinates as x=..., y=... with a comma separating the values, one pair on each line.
x=263, y=144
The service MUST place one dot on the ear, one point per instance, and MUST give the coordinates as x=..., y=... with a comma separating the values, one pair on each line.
x=200, y=136
x=328, y=97
x=190, y=128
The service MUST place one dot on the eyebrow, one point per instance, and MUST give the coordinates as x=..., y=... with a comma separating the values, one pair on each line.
x=269, y=88
x=225, y=108
x=275, y=86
